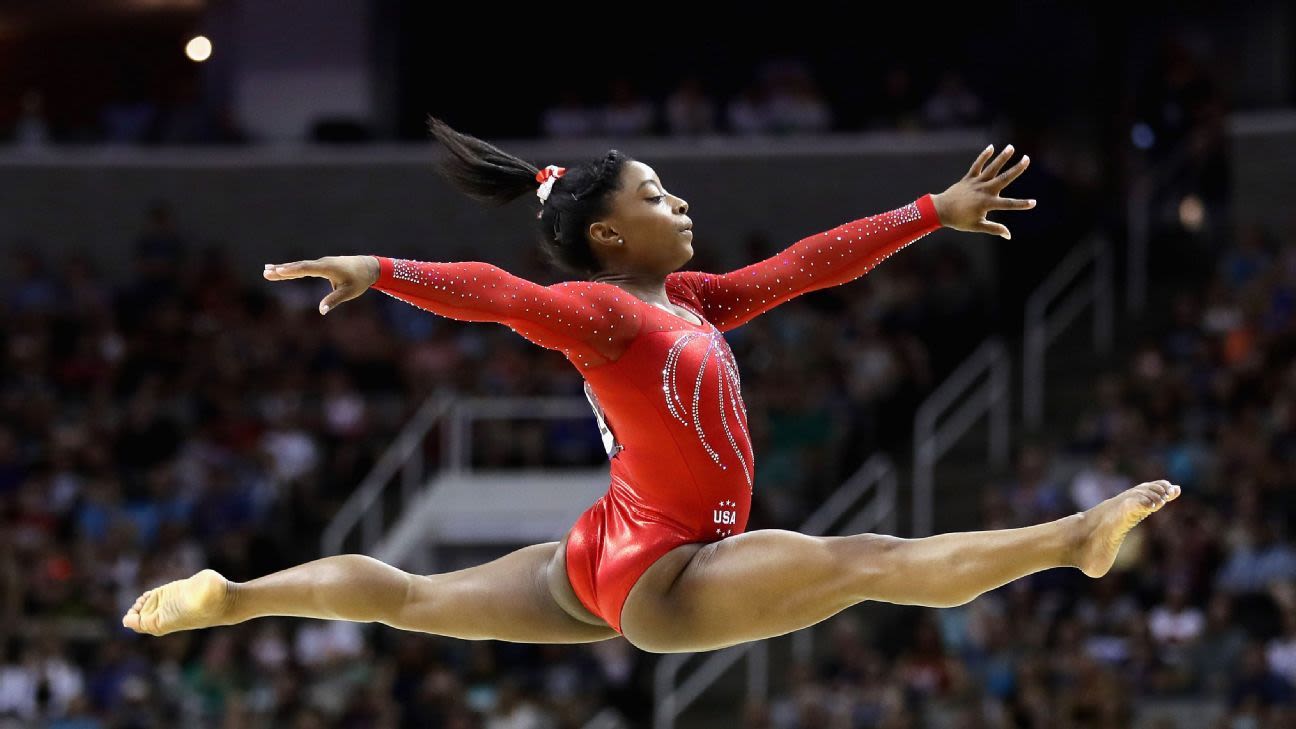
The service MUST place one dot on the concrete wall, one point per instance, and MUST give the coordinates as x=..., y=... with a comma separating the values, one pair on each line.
x=272, y=204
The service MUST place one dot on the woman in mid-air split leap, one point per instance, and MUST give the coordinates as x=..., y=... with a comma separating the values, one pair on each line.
x=663, y=557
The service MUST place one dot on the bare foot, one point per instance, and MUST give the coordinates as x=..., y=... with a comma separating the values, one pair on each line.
x=1103, y=528
x=197, y=602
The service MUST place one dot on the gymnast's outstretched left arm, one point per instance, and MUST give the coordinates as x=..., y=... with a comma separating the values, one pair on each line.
x=851, y=250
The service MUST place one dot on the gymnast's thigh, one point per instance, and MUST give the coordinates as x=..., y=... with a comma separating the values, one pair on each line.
x=561, y=588
x=506, y=599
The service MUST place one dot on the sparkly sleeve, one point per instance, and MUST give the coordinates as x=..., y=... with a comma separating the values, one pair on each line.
x=826, y=259
x=591, y=323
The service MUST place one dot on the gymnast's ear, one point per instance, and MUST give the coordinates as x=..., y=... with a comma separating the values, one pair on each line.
x=603, y=236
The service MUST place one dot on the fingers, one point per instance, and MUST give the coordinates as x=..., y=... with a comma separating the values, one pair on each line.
x=975, y=169
x=986, y=226
x=343, y=293
x=992, y=169
x=1010, y=203
x=1013, y=173
x=296, y=269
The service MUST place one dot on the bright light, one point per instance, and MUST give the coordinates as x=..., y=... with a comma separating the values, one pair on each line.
x=1192, y=213
x=199, y=49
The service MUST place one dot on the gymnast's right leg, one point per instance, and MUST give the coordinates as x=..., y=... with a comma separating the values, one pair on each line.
x=507, y=599
x=771, y=582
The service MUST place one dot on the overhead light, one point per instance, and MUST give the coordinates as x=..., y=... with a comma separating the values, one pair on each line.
x=198, y=49
x=1192, y=213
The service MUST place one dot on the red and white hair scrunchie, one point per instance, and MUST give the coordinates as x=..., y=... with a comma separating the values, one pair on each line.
x=547, y=177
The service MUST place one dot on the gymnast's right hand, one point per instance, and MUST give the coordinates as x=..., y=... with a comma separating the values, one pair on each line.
x=350, y=276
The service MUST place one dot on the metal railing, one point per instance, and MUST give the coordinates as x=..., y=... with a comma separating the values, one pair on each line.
x=876, y=477
x=1042, y=327
x=672, y=701
x=935, y=434
x=364, y=508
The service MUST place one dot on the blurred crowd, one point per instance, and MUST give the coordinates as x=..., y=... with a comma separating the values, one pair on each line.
x=783, y=97
x=1196, y=625
x=191, y=416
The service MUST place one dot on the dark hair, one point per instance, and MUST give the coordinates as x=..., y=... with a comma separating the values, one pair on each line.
x=579, y=197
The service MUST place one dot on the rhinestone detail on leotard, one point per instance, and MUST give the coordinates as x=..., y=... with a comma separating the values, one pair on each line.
x=727, y=370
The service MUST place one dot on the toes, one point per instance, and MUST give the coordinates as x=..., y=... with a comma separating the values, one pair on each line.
x=1162, y=492
x=149, y=614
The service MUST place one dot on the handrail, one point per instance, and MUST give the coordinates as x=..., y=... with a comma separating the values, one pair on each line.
x=877, y=475
x=364, y=506
x=672, y=702
x=877, y=472
x=932, y=439
x=1042, y=328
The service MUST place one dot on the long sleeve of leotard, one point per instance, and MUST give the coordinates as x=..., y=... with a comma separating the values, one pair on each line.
x=826, y=259
x=592, y=323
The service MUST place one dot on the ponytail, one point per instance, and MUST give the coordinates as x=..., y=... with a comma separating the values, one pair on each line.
x=578, y=198
x=481, y=170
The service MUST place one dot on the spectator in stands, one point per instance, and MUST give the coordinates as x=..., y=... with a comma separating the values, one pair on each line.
x=627, y=113
x=690, y=110
x=952, y=105
x=570, y=117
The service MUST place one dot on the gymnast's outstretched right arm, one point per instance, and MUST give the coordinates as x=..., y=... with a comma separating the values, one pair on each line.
x=591, y=323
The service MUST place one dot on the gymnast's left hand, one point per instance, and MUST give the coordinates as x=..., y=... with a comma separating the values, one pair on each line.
x=350, y=276
x=965, y=204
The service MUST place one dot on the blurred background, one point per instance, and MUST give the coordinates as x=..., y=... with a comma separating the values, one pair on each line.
x=163, y=409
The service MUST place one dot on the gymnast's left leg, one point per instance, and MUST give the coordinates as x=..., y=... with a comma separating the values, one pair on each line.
x=510, y=599
x=771, y=582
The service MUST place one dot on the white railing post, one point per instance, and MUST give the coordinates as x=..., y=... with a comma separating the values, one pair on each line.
x=457, y=432
x=367, y=497
x=1042, y=326
x=934, y=433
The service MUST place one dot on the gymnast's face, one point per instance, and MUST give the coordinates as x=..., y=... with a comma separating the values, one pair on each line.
x=646, y=229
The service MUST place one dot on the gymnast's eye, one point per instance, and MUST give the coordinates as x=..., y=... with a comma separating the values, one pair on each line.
x=655, y=199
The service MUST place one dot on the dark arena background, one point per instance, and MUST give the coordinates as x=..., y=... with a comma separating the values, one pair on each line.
x=164, y=409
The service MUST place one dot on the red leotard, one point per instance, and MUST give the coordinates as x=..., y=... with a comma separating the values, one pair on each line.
x=665, y=390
